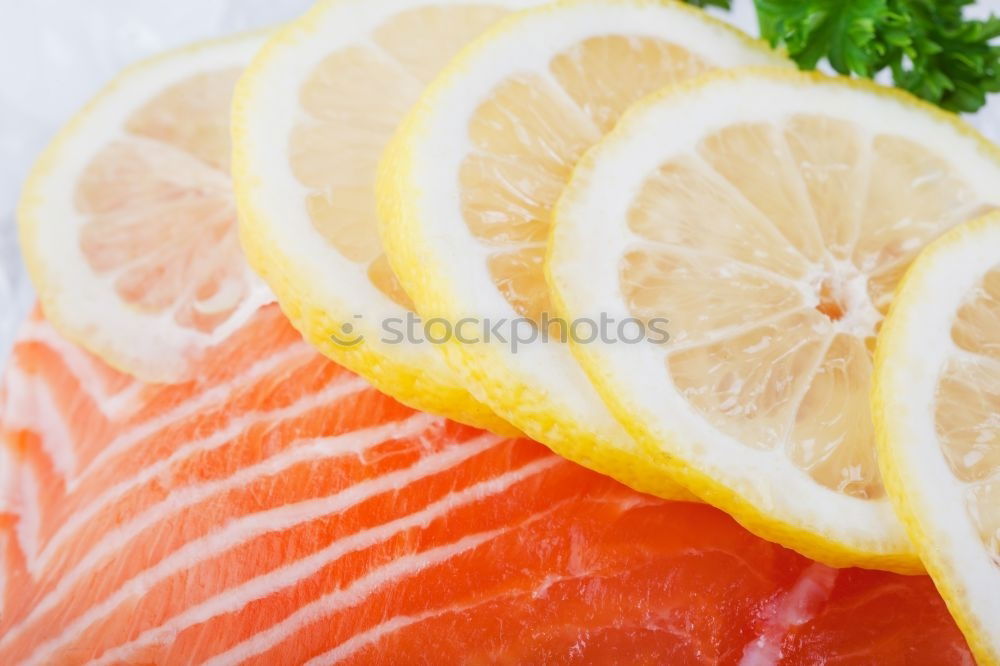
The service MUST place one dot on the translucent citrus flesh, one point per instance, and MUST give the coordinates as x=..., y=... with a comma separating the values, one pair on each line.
x=530, y=132
x=160, y=218
x=967, y=413
x=352, y=102
x=774, y=249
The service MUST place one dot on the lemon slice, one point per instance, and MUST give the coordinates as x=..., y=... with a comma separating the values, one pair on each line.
x=128, y=223
x=470, y=180
x=770, y=225
x=937, y=411
x=311, y=119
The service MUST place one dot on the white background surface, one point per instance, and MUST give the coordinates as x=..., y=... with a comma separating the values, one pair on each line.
x=55, y=54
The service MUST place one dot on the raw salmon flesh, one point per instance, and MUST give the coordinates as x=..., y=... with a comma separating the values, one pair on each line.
x=281, y=511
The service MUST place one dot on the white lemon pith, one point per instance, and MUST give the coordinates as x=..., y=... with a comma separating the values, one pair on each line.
x=469, y=181
x=768, y=216
x=128, y=224
x=311, y=118
x=937, y=408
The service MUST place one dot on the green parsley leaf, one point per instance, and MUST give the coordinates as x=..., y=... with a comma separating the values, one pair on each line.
x=929, y=46
x=723, y=4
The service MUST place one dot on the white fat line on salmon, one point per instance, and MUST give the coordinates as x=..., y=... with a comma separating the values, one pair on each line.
x=28, y=525
x=261, y=587
x=4, y=569
x=31, y=406
x=194, y=405
x=243, y=529
x=343, y=386
x=83, y=367
x=359, y=590
x=796, y=607
x=400, y=622
x=10, y=468
x=303, y=451
x=363, y=640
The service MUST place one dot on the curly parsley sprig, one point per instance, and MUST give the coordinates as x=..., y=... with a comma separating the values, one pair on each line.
x=929, y=46
x=724, y=4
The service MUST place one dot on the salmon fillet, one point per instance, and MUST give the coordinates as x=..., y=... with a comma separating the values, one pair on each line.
x=279, y=510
